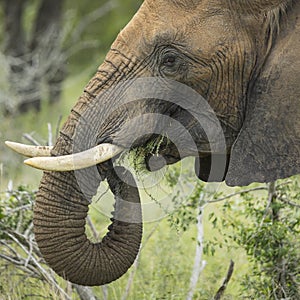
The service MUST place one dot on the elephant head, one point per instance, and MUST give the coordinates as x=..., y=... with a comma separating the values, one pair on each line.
x=242, y=57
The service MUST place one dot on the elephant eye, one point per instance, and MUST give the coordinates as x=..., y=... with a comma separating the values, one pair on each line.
x=169, y=60
x=170, y=63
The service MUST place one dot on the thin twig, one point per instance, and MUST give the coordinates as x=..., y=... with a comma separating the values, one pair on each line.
x=149, y=236
x=131, y=277
x=136, y=262
x=92, y=227
x=20, y=222
x=17, y=209
x=31, y=139
x=50, y=143
x=11, y=260
x=31, y=271
x=271, y=193
x=222, y=289
x=30, y=252
x=90, y=18
x=11, y=249
x=28, y=230
x=39, y=266
x=104, y=292
x=84, y=292
x=238, y=193
x=19, y=262
x=289, y=202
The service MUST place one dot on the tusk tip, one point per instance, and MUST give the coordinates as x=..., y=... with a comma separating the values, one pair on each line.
x=28, y=150
x=14, y=146
x=10, y=144
x=30, y=162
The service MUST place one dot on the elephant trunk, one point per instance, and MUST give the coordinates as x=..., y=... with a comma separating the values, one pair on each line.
x=63, y=198
x=59, y=225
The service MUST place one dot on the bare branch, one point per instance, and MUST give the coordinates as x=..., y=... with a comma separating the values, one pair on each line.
x=199, y=265
x=84, y=292
x=222, y=289
x=289, y=202
x=90, y=18
x=20, y=208
x=92, y=227
x=131, y=277
x=238, y=193
x=28, y=230
x=20, y=222
x=31, y=139
x=11, y=260
x=11, y=249
x=42, y=270
x=271, y=193
x=30, y=252
x=104, y=292
x=49, y=134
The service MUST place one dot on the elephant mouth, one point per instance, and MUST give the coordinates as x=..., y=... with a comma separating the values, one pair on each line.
x=160, y=151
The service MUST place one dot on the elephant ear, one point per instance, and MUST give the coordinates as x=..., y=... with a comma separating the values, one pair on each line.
x=268, y=146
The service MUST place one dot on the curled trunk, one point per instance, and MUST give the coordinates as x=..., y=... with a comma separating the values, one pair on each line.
x=60, y=229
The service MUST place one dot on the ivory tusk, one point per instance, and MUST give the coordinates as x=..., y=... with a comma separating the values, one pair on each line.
x=29, y=151
x=77, y=161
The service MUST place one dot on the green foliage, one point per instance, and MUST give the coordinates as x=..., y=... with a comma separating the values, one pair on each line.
x=15, y=210
x=23, y=273
x=185, y=214
x=267, y=227
x=263, y=223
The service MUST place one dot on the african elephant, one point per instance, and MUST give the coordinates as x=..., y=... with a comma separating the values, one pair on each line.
x=242, y=56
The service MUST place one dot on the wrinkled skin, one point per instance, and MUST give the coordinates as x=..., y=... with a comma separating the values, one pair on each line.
x=227, y=52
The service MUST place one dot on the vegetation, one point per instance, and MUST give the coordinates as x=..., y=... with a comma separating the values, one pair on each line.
x=257, y=228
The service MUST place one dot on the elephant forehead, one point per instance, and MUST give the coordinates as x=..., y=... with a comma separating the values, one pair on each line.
x=185, y=5
x=161, y=23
